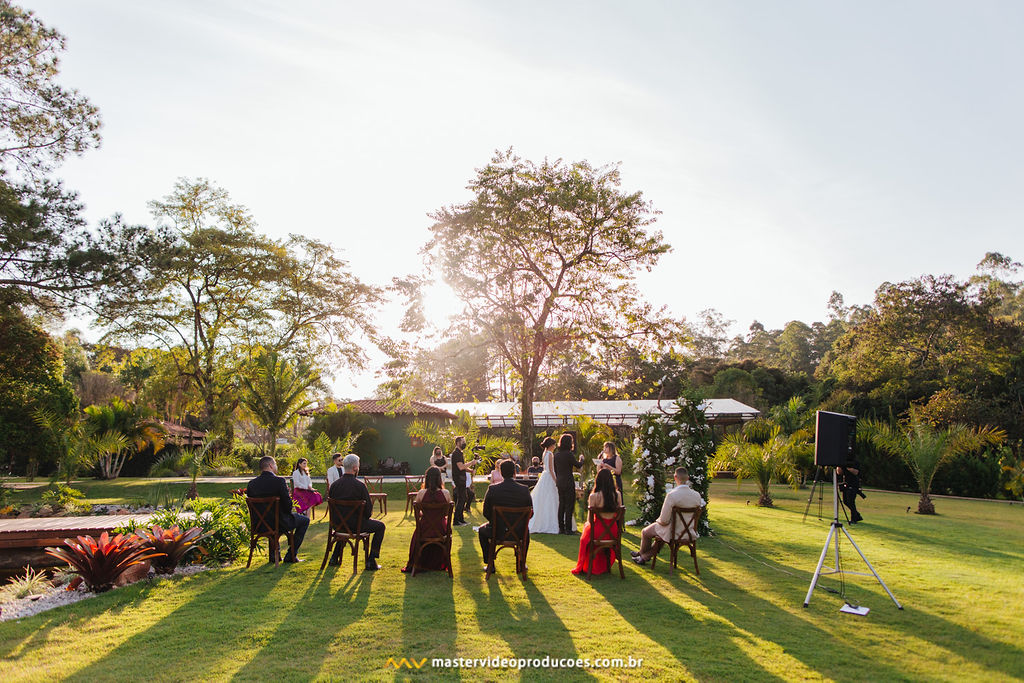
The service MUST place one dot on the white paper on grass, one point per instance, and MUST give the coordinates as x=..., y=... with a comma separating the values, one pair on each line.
x=861, y=611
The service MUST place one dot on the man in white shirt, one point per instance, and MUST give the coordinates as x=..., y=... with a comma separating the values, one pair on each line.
x=681, y=496
x=334, y=472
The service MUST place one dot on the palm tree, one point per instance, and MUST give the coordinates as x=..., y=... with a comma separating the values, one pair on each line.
x=276, y=392
x=133, y=423
x=925, y=448
x=494, y=447
x=763, y=462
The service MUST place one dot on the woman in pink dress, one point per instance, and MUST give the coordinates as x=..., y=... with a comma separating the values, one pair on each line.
x=303, y=493
x=604, y=498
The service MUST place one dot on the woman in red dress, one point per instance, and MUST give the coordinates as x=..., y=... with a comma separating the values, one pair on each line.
x=432, y=524
x=604, y=498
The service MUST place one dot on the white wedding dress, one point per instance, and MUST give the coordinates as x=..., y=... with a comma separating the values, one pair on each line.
x=545, y=500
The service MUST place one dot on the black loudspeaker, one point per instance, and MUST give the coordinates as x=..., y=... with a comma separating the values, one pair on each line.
x=834, y=437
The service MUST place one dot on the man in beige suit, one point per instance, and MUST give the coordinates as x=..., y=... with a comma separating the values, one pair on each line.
x=681, y=496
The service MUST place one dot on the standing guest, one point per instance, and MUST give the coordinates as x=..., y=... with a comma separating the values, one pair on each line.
x=348, y=487
x=534, y=467
x=432, y=524
x=681, y=496
x=438, y=460
x=461, y=471
x=604, y=498
x=302, y=487
x=515, y=460
x=268, y=485
x=509, y=493
x=334, y=472
x=564, y=463
x=610, y=460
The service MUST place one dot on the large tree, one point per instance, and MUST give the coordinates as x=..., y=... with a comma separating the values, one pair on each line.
x=224, y=289
x=544, y=256
x=48, y=256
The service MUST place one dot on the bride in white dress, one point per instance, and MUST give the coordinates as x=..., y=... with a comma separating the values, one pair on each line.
x=545, y=497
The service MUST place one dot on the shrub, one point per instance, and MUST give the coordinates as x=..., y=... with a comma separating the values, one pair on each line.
x=99, y=562
x=173, y=543
x=224, y=523
x=62, y=495
x=33, y=583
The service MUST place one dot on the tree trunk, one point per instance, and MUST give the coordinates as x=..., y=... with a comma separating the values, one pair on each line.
x=272, y=448
x=526, y=420
x=925, y=506
x=765, y=499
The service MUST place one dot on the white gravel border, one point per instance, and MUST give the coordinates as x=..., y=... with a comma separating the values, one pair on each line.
x=58, y=595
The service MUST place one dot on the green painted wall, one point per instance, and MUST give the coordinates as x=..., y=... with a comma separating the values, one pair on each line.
x=395, y=443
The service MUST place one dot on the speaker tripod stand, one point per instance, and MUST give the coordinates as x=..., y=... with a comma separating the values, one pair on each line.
x=833, y=533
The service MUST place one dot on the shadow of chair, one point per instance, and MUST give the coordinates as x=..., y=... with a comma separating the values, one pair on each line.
x=375, y=485
x=412, y=487
x=683, y=532
x=444, y=541
x=340, y=514
x=265, y=522
x=510, y=529
x=606, y=535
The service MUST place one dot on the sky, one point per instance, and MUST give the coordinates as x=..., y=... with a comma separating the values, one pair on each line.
x=792, y=148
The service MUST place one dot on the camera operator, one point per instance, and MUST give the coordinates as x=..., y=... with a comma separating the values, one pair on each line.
x=849, y=484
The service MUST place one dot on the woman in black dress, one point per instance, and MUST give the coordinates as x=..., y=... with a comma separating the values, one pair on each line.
x=438, y=460
x=611, y=460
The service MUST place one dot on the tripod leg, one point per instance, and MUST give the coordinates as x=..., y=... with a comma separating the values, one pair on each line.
x=882, y=583
x=815, y=484
x=821, y=561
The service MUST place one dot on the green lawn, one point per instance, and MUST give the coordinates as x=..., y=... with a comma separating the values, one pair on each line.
x=958, y=575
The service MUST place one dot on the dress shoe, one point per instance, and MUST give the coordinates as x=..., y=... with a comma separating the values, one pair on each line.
x=371, y=565
x=637, y=559
x=293, y=560
x=334, y=563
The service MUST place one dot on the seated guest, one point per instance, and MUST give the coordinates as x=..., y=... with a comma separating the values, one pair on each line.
x=267, y=485
x=496, y=477
x=302, y=487
x=334, y=472
x=681, y=496
x=348, y=487
x=432, y=524
x=509, y=493
x=604, y=498
x=535, y=467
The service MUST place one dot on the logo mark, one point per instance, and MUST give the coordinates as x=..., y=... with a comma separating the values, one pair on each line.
x=407, y=663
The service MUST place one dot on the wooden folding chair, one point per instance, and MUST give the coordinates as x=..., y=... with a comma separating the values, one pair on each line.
x=375, y=485
x=264, y=522
x=605, y=536
x=421, y=510
x=505, y=534
x=683, y=532
x=339, y=515
x=412, y=487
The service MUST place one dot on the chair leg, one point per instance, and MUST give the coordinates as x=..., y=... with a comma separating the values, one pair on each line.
x=693, y=554
x=618, y=554
x=273, y=547
x=448, y=552
x=327, y=552
x=416, y=558
x=252, y=547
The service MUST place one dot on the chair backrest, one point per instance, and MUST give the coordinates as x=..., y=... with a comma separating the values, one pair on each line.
x=443, y=510
x=341, y=513
x=374, y=484
x=684, y=523
x=414, y=483
x=263, y=517
x=606, y=526
x=511, y=525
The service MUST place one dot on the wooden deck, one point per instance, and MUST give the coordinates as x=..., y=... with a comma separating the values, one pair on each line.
x=22, y=540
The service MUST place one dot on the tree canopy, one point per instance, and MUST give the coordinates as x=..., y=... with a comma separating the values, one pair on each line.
x=544, y=257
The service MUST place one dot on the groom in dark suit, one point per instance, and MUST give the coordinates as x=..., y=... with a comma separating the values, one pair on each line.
x=564, y=463
x=508, y=493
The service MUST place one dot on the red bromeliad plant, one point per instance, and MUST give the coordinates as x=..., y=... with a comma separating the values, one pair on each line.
x=173, y=544
x=100, y=561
